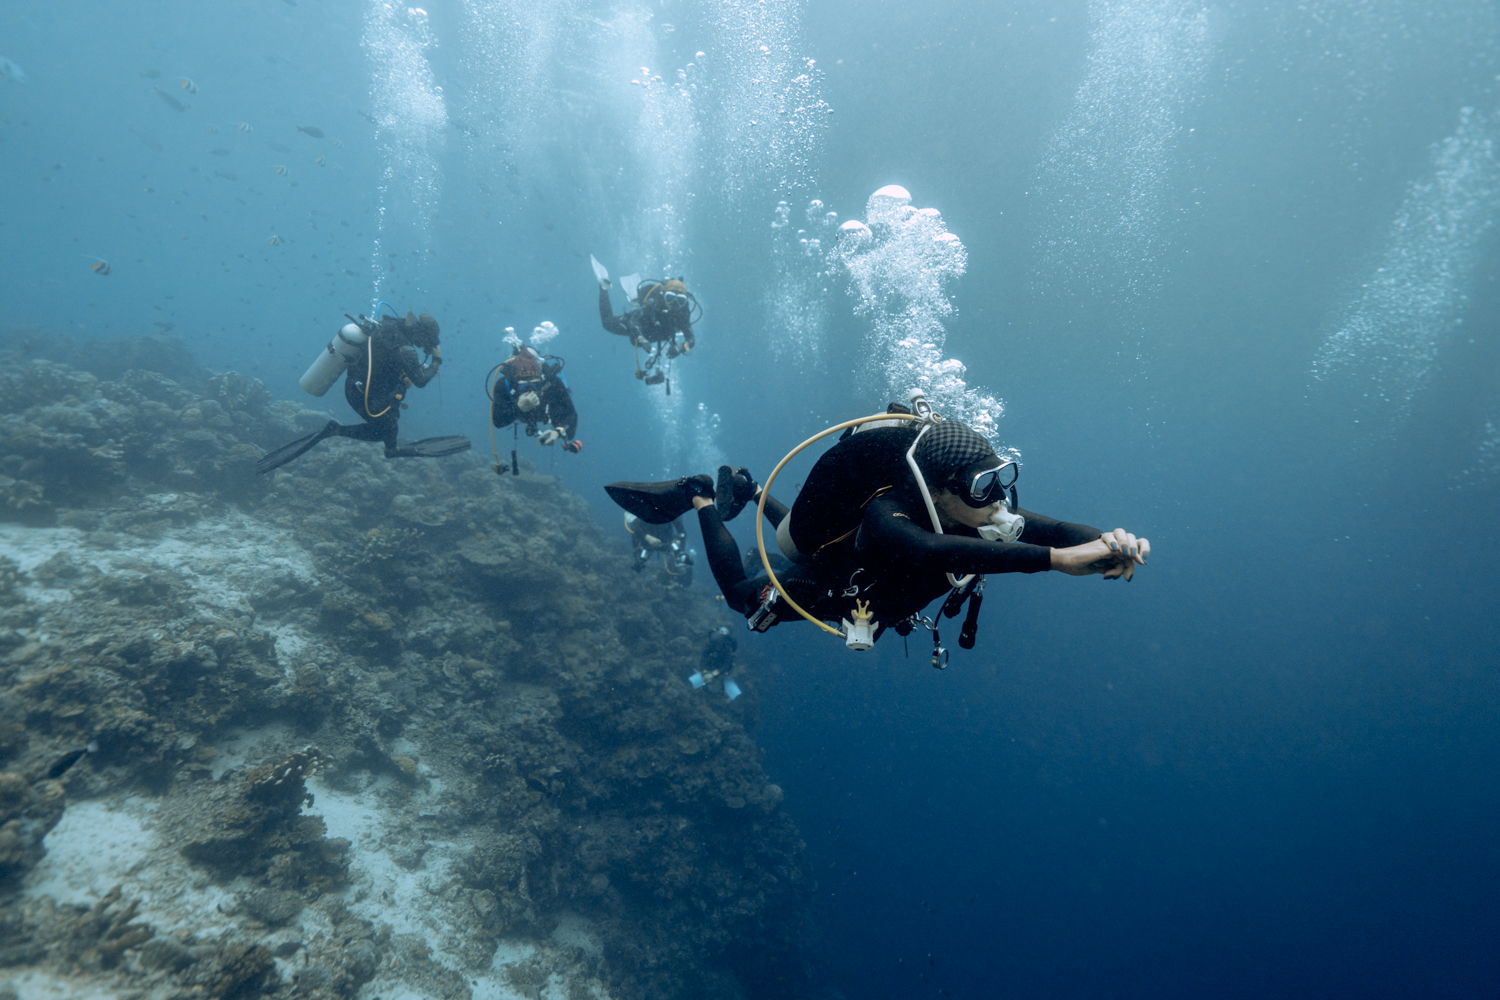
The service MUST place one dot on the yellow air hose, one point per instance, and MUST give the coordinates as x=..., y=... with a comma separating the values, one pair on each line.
x=765, y=491
x=370, y=377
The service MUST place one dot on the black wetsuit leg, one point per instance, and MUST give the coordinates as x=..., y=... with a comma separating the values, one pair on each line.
x=775, y=511
x=740, y=592
x=384, y=428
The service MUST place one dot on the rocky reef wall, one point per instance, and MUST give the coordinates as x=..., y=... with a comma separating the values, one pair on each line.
x=362, y=727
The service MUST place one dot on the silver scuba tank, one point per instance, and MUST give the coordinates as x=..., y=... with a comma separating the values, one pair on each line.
x=346, y=347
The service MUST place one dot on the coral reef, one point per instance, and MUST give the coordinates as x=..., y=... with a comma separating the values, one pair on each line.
x=361, y=727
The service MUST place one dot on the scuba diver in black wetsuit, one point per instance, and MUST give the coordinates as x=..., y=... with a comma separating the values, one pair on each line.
x=647, y=540
x=381, y=366
x=663, y=312
x=529, y=387
x=884, y=521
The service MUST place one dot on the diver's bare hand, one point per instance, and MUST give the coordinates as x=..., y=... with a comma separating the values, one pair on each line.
x=1113, y=555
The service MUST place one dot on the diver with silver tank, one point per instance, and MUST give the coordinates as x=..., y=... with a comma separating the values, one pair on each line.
x=380, y=359
x=905, y=507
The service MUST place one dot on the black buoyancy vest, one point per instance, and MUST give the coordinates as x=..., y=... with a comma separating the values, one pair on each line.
x=844, y=480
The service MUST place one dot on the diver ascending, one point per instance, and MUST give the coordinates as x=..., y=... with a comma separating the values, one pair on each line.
x=892, y=517
x=381, y=366
x=663, y=312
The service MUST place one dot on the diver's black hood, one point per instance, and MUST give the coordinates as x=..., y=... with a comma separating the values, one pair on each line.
x=949, y=447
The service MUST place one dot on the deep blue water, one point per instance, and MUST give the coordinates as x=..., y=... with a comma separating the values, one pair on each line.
x=1267, y=767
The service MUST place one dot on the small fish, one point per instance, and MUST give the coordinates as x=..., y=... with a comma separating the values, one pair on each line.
x=218, y=152
x=67, y=760
x=278, y=146
x=321, y=161
x=368, y=118
x=12, y=72
x=226, y=176
x=350, y=273
x=187, y=85
x=316, y=133
x=276, y=241
x=212, y=128
x=244, y=127
x=100, y=266
x=152, y=74
x=169, y=100
x=337, y=142
x=281, y=171
x=163, y=325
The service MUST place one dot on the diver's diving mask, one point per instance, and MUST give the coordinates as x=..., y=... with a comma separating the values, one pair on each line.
x=985, y=481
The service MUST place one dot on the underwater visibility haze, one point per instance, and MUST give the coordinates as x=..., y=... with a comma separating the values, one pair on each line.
x=1222, y=275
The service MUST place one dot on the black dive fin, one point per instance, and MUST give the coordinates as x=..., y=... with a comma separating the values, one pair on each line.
x=435, y=447
x=296, y=449
x=735, y=489
x=654, y=503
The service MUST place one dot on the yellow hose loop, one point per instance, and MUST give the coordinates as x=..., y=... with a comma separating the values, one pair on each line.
x=765, y=491
x=369, y=377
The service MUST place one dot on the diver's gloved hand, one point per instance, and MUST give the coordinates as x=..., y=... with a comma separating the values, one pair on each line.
x=550, y=436
x=437, y=356
x=528, y=401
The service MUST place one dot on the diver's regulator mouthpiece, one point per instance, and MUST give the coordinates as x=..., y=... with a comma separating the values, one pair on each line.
x=1005, y=526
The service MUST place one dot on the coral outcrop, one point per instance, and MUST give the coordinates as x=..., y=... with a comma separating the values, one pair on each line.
x=360, y=727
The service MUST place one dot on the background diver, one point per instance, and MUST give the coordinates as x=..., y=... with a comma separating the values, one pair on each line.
x=860, y=530
x=667, y=540
x=663, y=312
x=381, y=365
x=529, y=387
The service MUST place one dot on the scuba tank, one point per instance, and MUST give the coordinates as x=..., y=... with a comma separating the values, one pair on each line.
x=346, y=347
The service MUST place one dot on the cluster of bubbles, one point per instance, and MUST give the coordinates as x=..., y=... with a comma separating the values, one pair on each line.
x=511, y=47
x=797, y=299
x=410, y=115
x=540, y=334
x=769, y=113
x=1486, y=465
x=1103, y=172
x=818, y=221
x=1389, y=335
x=899, y=263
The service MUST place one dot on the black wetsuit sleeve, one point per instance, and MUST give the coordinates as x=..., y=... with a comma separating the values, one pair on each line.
x=614, y=324
x=413, y=369
x=560, y=411
x=503, y=411
x=892, y=532
x=1043, y=530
